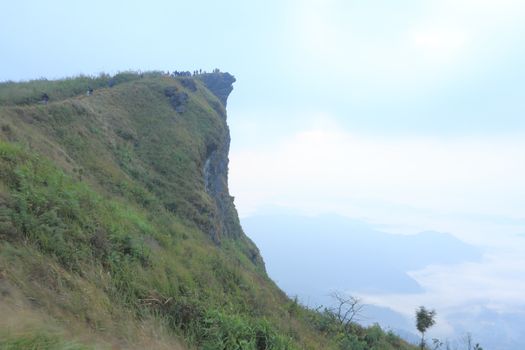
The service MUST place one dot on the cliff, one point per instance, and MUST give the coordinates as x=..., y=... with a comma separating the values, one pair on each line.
x=117, y=229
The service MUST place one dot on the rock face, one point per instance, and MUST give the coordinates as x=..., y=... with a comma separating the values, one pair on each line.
x=178, y=99
x=219, y=83
x=215, y=171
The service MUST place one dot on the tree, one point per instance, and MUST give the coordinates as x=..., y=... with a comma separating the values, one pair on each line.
x=347, y=309
x=424, y=320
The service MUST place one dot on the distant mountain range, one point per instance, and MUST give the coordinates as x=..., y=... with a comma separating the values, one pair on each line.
x=311, y=257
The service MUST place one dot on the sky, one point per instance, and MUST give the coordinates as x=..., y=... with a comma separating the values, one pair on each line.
x=405, y=114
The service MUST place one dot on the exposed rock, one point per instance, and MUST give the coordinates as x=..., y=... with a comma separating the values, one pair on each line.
x=178, y=100
x=219, y=83
x=189, y=83
x=170, y=91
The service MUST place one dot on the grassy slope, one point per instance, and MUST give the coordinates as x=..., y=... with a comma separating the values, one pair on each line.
x=105, y=221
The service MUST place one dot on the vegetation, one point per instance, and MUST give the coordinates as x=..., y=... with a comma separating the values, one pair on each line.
x=12, y=93
x=424, y=320
x=117, y=229
x=38, y=341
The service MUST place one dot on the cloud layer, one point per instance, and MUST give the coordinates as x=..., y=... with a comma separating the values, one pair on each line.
x=431, y=183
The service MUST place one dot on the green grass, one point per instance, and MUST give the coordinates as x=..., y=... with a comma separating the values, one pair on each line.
x=106, y=224
x=38, y=341
x=12, y=93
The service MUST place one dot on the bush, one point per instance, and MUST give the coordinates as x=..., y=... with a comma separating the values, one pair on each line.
x=224, y=332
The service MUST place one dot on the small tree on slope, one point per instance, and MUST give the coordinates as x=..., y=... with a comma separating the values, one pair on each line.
x=424, y=320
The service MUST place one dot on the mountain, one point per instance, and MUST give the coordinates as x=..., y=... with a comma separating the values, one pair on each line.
x=117, y=229
x=312, y=256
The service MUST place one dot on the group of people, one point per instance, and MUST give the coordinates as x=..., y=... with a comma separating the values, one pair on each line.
x=176, y=73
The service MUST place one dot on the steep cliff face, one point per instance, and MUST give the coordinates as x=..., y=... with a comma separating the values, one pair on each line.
x=215, y=170
x=221, y=84
x=215, y=173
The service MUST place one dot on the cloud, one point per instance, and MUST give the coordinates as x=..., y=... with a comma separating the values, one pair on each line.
x=421, y=180
x=494, y=285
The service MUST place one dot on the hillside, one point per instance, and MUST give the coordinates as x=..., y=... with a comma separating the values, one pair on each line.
x=117, y=229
